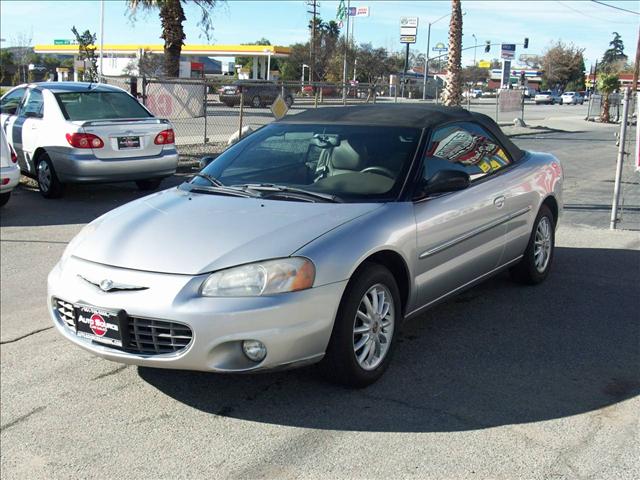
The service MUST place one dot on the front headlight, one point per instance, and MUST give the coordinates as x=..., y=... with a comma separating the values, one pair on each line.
x=261, y=278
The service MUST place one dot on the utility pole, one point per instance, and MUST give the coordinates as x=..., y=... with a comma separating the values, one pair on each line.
x=313, y=4
x=344, y=63
x=101, y=38
x=636, y=67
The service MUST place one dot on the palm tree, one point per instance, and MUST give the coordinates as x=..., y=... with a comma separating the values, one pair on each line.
x=453, y=89
x=608, y=83
x=171, y=16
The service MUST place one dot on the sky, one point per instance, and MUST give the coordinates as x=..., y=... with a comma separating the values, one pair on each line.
x=586, y=24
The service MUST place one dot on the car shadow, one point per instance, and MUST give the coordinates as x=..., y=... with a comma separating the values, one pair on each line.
x=498, y=354
x=81, y=203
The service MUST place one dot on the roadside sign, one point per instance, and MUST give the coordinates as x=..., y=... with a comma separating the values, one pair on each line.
x=506, y=73
x=484, y=64
x=351, y=11
x=362, y=11
x=408, y=21
x=508, y=51
x=407, y=39
x=62, y=41
x=439, y=47
x=408, y=31
x=279, y=108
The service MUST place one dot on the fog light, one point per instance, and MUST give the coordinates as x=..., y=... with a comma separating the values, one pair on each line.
x=254, y=350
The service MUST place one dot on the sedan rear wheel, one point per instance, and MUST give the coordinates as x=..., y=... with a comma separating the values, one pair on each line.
x=4, y=198
x=363, y=334
x=48, y=183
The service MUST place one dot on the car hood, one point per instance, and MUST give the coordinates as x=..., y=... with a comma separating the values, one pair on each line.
x=192, y=233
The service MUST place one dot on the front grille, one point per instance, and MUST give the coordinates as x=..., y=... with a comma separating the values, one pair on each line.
x=66, y=313
x=145, y=336
x=157, y=336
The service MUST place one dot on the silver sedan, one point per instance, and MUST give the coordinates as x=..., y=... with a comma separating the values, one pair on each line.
x=310, y=240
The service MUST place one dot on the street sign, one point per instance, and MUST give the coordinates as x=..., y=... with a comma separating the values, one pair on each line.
x=408, y=21
x=484, y=64
x=508, y=51
x=408, y=31
x=61, y=41
x=351, y=11
x=407, y=39
x=279, y=108
x=362, y=11
x=439, y=47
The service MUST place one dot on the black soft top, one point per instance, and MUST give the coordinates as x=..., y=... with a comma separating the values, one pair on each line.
x=402, y=115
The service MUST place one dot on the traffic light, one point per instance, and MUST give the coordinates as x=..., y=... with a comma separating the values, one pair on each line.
x=487, y=46
x=522, y=81
x=526, y=42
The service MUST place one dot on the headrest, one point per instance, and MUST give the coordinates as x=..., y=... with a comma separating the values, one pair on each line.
x=349, y=155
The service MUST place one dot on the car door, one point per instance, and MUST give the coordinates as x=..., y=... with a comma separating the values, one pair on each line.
x=9, y=106
x=26, y=128
x=461, y=234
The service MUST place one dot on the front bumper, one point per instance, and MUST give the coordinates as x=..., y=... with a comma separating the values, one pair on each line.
x=295, y=327
x=12, y=173
x=73, y=167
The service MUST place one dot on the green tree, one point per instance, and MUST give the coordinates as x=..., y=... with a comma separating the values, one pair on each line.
x=373, y=63
x=7, y=65
x=563, y=64
x=607, y=84
x=453, y=88
x=172, y=16
x=614, y=59
x=87, y=53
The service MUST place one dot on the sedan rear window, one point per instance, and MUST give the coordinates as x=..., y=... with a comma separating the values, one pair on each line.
x=99, y=106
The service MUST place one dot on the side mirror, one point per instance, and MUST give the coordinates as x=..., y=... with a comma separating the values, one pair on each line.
x=205, y=161
x=446, y=181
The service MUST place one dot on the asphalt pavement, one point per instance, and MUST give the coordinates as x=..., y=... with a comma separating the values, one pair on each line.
x=503, y=381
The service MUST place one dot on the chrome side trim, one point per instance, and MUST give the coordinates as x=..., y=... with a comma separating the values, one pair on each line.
x=473, y=233
x=462, y=287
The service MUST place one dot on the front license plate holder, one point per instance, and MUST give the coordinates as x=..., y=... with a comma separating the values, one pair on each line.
x=100, y=325
x=128, y=142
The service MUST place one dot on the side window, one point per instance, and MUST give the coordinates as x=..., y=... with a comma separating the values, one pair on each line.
x=34, y=105
x=465, y=146
x=10, y=102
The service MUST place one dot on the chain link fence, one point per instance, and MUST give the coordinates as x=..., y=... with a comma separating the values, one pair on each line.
x=208, y=113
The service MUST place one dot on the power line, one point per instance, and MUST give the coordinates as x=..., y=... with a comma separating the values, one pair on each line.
x=592, y=17
x=617, y=8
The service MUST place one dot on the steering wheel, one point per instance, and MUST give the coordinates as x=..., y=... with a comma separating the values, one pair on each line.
x=380, y=170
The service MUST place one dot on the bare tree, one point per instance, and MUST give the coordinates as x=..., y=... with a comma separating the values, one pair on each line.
x=22, y=42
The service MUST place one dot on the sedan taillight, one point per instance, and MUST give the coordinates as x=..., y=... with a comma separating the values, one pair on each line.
x=84, y=140
x=14, y=157
x=165, y=137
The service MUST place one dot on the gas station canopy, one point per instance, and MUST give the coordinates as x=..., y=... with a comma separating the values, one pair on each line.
x=199, y=50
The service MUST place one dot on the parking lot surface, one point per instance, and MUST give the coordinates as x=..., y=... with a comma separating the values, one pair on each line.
x=503, y=381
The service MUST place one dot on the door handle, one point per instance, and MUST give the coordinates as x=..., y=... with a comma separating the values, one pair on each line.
x=499, y=201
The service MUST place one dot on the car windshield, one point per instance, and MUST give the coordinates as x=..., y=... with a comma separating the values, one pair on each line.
x=99, y=106
x=353, y=163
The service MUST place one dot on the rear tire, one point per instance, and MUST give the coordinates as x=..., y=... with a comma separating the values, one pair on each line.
x=289, y=101
x=148, y=184
x=538, y=257
x=364, y=331
x=48, y=183
x=4, y=198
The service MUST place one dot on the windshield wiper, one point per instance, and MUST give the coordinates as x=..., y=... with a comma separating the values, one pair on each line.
x=276, y=189
x=222, y=190
x=212, y=180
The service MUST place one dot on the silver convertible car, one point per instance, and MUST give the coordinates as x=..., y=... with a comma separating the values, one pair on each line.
x=310, y=240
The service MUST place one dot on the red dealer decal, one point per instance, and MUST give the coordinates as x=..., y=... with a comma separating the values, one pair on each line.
x=98, y=325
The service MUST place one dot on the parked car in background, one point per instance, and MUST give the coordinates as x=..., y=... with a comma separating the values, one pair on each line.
x=327, y=91
x=312, y=239
x=571, y=98
x=473, y=93
x=256, y=93
x=9, y=170
x=547, y=97
x=66, y=132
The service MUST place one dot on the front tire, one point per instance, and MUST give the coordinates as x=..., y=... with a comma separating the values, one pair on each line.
x=48, y=182
x=149, y=184
x=256, y=102
x=4, y=198
x=538, y=257
x=363, y=336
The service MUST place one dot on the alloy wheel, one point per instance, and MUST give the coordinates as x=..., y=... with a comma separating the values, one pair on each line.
x=373, y=327
x=542, y=244
x=44, y=176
